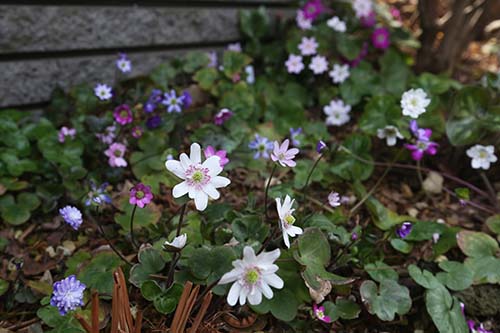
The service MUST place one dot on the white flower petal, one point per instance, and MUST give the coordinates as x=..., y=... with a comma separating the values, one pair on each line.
x=274, y=281
x=176, y=168
x=230, y=276
x=267, y=258
x=195, y=153
x=180, y=189
x=200, y=200
x=266, y=290
x=286, y=239
x=185, y=161
x=234, y=294
x=219, y=181
x=211, y=191
x=255, y=297
x=213, y=165
x=243, y=296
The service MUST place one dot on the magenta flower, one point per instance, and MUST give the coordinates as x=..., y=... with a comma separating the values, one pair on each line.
x=369, y=20
x=222, y=116
x=140, y=195
x=312, y=9
x=380, y=38
x=123, y=114
x=210, y=151
x=423, y=145
x=319, y=312
x=64, y=132
x=137, y=132
x=283, y=155
x=115, y=152
x=396, y=14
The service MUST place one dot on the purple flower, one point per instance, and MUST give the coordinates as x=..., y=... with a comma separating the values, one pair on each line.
x=71, y=216
x=154, y=99
x=312, y=9
x=380, y=38
x=354, y=236
x=334, y=199
x=115, y=152
x=420, y=133
x=137, y=132
x=283, y=155
x=108, y=136
x=64, y=132
x=153, y=122
x=213, y=59
x=422, y=145
x=319, y=312
x=479, y=329
x=221, y=116
x=97, y=195
x=188, y=100
x=294, y=64
x=222, y=154
x=123, y=63
x=396, y=14
x=320, y=146
x=123, y=114
x=369, y=20
x=67, y=294
x=235, y=47
x=404, y=230
x=140, y=195
x=173, y=102
x=262, y=146
x=293, y=135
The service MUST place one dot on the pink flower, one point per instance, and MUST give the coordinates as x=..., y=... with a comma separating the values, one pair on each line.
x=140, y=195
x=319, y=312
x=115, y=152
x=380, y=38
x=64, y=132
x=312, y=9
x=137, y=132
x=396, y=14
x=108, y=136
x=423, y=144
x=210, y=151
x=283, y=155
x=123, y=114
x=222, y=116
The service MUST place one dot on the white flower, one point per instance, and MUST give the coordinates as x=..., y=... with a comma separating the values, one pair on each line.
x=339, y=73
x=482, y=156
x=201, y=180
x=308, y=46
x=252, y=277
x=318, y=64
x=302, y=22
x=294, y=64
x=414, y=102
x=235, y=47
x=435, y=237
x=102, y=91
x=178, y=242
x=337, y=113
x=124, y=65
x=390, y=133
x=362, y=7
x=287, y=220
x=336, y=24
x=250, y=74
x=334, y=199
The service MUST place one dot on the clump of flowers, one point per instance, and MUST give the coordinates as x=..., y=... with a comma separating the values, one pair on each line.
x=108, y=136
x=294, y=64
x=336, y=24
x=123, y=63
x=422, y=144
x=319, y=312
x=308, y=46
x=222, y=116
x=67, y=294
x=283, y=155
x=318, y=65
x=380, y=38
x=482, y=156
x=97, y=195
x=222, y=154
x=285, y=213
x=140, y=195
x=173, y=102
x=390, y=133
x=64, y=132
x=103, y=92
x=337, y=113
x=72, y=216
x=334, y=199
x=200, y=180
x=252, y=277
x=404, y=230
x=116, y=153
x=123, y=114
x=312, y=9
x=414, y=102
x=339, y=73
x=262, y=147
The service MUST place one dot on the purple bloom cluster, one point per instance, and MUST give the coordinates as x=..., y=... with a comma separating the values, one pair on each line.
x=404, y=230
x=72, y=216
x=423, y=144
x=67, y=294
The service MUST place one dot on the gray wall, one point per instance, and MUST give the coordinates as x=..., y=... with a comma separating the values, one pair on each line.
x=44, y=44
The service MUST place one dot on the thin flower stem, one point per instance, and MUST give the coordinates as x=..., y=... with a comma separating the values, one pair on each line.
x=419, y=173
x=177, y=255
x=115, y=250
x=268, y=240
x=132, y=228
x=491, y=189
x=304, y=189
x=181, y=219
x=472, y=203
x=267, y=189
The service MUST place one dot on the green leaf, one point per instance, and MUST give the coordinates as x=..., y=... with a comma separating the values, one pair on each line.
x=206, y=77
x=342, y=308
x=199, y=263
x=4, y=286
x=162, y=75
x=436, y=84
x=255, y=24
x=347, y=164
x=394, y=71
x=457, y=276
x=150, y=290
x=380, y=112
x=194, y=61
x=401, y=245
x=361, y=82
x=61, y=324
x=477, y=244
x=493, y=223
x=248, y=228
x=144, y=217
x=150, y=262
x=348, y=46
x=283, y=305
x=98, y=274
x=379, y=271
x=234, y=62
x=167, y=301
x=386, y=301
x=485, y=269
x=423, y=230
x=445, y=311
x=18, y=211
x=423, y=277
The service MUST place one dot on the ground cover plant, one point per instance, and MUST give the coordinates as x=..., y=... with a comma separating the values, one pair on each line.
x=305, y=180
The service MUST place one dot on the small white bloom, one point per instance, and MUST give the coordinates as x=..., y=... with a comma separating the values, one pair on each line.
x=302, y=22
x=334, y=199
x=250, y=74
x=362, y=7
x=435, y=237
x=337, y=113
x=308, y=46
x=103, y=91
x=235, y=47
x=178, y=242
x=318, y=64
x=339, y=73
x=414, y=102
x=253, y=276
x=482, y=156
x=390, y=133
x=201, y=180
x=287, y=220
x=294, y=64
x=336, y=24
x=124, y=65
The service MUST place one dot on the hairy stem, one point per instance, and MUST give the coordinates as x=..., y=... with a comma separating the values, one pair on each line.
x=304, y=189
x=177, y=255
x=267, y=189
x=132, y=228
x=115, y=250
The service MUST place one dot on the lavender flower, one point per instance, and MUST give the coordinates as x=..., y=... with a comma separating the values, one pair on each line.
x=319, y=312
x=154, y=99
x=173, y=102
x=67, y=294
x=293, y=136
x=404, y=230
x=188, y=100
x=312, y=9
x=213, y=59
x=64, y=132
x=369, y=20
x=283, y=155
x=320, y=146
x=137, y=132
x=262, y=146
x=71, y=216
x=103, y=92
x=334, y=199
x=423, y=145
x=221, y=116
x=108, y=136
x=123, y=63
x=153, y=122
x=97, y=195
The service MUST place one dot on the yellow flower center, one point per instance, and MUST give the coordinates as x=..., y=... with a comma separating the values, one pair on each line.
x=289, y=219
x=197, y=176
x=139, y=194
x=483, y=154
x=252, y=276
